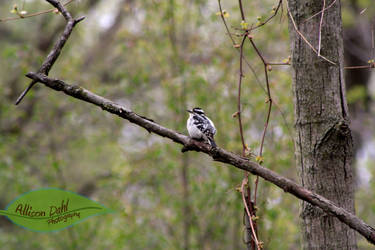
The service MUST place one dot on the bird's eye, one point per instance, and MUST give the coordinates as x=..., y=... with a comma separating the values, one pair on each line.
x=198, y=111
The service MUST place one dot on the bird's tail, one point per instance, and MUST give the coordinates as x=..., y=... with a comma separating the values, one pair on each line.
x=212, y=142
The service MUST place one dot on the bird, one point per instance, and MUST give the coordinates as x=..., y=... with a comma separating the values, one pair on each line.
x=200, y=127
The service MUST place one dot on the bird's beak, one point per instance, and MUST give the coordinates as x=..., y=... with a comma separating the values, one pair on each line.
x=189, y=111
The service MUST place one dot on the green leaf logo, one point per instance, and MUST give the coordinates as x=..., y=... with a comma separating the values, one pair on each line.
x=51, y=209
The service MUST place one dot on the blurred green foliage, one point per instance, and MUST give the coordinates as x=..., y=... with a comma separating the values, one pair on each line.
x=356, y=94
x=163, y=57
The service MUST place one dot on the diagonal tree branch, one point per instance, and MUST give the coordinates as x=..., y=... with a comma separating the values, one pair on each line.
x=218, y=154
x=56, y=50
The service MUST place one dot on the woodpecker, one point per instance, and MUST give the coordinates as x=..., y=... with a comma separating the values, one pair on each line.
x=200, y=126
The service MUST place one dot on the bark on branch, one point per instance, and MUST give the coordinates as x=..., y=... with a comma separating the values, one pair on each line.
x=56, y=50
x=218, y=154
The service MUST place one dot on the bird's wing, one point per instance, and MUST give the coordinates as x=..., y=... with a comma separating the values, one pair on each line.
x=205, y=125
x=212, y=126
x=200, y=122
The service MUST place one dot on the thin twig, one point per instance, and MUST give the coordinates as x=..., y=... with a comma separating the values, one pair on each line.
x=239, y=97
x=236, y=47
x=248, y=64
x=329, y=6
x=56, y=50
x=265, y=64
x=240, y=50
x=33, y=14
x=242, y=58
x=225, y=23
x=320, y=28
x=269, y=18
x=363, y=11
x=244, y=183
x=303, y=37
x=241, y=9
x=244, y=147
x=253, y=212
x=279, y=63
x=268, y=112
x=373, y=39
x=370, y=66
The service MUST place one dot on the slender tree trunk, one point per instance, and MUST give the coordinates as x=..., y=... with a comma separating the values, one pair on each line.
x=323, y=139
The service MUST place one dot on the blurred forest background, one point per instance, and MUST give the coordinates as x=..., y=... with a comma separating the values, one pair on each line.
x=159, y=58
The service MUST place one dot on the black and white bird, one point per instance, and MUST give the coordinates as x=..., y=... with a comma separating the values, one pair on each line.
x=200, y=126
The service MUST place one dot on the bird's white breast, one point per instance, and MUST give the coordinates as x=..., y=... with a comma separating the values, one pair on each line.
x=194, y=132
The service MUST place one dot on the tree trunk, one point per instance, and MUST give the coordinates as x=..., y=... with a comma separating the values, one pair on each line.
x=323, y=139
